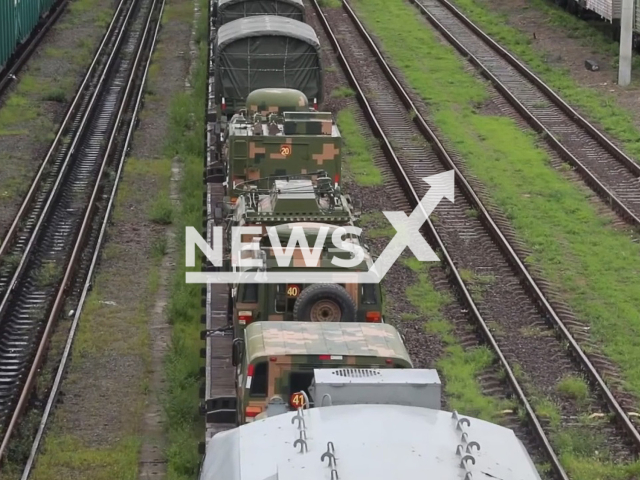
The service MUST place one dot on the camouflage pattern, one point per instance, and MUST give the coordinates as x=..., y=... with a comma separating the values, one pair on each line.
x=296, y=347
x=300, y=339
x=311, y=199
x=265, y=141
x=266, y=101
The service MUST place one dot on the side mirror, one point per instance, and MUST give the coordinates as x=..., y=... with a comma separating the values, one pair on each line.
x=237, y=351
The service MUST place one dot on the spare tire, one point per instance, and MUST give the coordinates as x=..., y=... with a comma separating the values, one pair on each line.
x=324, y=302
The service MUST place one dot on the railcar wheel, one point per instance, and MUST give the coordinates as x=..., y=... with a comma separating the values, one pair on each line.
x=324, y=302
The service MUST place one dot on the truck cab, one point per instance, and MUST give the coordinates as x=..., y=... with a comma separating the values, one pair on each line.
x=275, y=361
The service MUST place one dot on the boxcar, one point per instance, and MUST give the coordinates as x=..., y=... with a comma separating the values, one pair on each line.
x=17, y=20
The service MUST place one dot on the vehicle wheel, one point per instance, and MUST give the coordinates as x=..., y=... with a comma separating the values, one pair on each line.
x=324, y=302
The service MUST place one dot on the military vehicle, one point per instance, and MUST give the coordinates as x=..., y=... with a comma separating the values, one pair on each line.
x=276, y=360
x=298, y=301
x=364, y=424
x=225, y=11
x=278, y=134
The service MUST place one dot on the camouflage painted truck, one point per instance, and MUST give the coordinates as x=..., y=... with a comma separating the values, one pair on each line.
x=276, y=135
x=225, y=11
x=275, y=361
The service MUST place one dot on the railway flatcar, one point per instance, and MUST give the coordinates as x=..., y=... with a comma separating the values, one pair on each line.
x=225, y=11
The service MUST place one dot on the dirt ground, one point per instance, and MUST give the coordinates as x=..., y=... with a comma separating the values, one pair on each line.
x=565, y=52
x=111, y=408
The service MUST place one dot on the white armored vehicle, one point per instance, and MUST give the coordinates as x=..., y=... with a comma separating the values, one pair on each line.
x=367, y=424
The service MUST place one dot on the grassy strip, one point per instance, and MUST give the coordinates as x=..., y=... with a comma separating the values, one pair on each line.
x=595, y=265
x=186, y=140
x=460, y=368
x=602, y=107
x=65, y=455
x=356, y=149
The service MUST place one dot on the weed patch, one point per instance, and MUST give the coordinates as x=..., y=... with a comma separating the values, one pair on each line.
x=459, y=367
x=342, y=92
x=186, y=139
x=66, y=457
x=357, y=157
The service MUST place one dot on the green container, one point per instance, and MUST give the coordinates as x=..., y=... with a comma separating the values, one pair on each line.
x=17, y=20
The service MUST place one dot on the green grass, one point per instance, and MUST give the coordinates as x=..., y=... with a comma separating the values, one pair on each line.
x=573, y=387
x=330, y=3
x=601, y=107
x=186, y=139
x=162, y=211
x=342, y=92
x=595, y=266
x=16, y=110
x=356, y=156
x=459, y=367
x=66, y=457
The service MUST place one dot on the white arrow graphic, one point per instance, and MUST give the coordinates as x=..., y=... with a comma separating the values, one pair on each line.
x=408, y=228
x=407, y=235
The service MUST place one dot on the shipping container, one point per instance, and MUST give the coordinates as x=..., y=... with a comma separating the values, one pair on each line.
x=18, y=18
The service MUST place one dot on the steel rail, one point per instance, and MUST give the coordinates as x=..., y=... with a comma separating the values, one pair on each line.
x=13, y=229
x=414, y=199
x=55, y=390
x=535, y=292
x=79, y=244
x=589, y=178
x=23, y=53
x=67, y=161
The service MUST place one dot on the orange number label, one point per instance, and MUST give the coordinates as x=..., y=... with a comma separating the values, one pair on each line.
x=293, y=290
x=285, y=150
x=297, y=400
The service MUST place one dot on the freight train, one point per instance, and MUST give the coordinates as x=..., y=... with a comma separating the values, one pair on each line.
x=19, y=20
x=274, y=163
x=606, y=10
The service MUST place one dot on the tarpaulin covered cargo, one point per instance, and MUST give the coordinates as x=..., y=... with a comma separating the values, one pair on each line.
x=17, y=20
x=266, y=52
x=230, y=10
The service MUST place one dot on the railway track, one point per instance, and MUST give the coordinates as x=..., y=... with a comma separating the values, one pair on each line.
x=608, y=171
x=22, y=55
x=510, y=310
x=51, y=249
